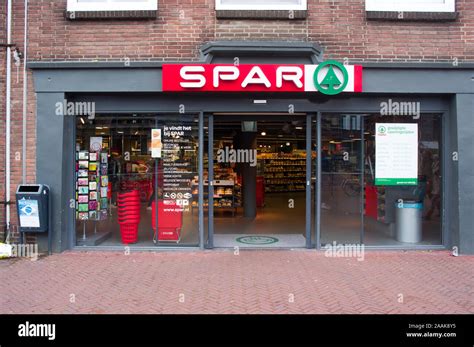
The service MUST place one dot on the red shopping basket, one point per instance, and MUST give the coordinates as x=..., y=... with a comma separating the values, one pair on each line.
x=129, y=232
x=129, y=207
x=170, y=221
x=133, y=192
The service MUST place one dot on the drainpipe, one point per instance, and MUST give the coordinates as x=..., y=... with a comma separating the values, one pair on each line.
x=8, y=115
x=25, y=94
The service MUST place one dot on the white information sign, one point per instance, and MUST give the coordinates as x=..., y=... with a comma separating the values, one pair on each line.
x=396, y=154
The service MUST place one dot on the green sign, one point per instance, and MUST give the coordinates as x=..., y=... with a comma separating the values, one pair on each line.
x=331, y=84
x=396, y=181
x=257, y=240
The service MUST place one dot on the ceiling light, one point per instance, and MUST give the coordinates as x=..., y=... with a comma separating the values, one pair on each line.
x=263, y=133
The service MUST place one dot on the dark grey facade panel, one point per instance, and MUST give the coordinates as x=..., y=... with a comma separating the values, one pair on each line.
x=465, y=149
x=144, y=80
x=129, y=103
x=53, y=143
x=92, y=80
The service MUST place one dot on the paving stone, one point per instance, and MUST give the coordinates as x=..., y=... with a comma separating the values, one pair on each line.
x=252, y=282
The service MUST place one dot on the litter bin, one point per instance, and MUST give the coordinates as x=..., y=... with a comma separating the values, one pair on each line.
x=408, y=217
x=33, y=209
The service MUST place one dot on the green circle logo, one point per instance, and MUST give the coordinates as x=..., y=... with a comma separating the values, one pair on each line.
x=382, y=129
x=257, y=240
x=331, y=84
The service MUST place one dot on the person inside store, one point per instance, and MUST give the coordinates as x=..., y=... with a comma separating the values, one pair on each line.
x=435, y=193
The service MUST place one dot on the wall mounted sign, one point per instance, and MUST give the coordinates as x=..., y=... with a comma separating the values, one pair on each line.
x=396, y=154
x=330, y=78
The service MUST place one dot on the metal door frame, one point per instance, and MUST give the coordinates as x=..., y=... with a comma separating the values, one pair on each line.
x=209, y=242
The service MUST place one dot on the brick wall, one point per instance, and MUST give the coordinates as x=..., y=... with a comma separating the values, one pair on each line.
x=182, y=26
x=16, y=116
x=178, y=31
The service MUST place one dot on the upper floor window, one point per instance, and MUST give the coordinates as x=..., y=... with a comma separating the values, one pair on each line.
x=410, y=5
x=112, y=5
x=260, y=5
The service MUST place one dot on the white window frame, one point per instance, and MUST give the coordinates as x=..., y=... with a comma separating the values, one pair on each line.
x=109, y=5
x=409, y=6
x=257, y=6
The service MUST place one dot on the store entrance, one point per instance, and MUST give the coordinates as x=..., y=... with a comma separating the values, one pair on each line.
x=258, y=169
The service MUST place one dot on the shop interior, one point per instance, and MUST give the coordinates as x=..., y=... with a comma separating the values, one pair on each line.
x=267, y=191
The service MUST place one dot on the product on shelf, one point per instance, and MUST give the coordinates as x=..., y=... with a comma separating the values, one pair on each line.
x=284, y=172
x=227, y=193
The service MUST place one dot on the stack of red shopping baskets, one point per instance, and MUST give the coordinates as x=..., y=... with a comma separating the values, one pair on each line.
x=129, y=215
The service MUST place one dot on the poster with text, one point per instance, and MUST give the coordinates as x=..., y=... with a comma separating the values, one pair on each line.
x=156, y=143
x=396, y=154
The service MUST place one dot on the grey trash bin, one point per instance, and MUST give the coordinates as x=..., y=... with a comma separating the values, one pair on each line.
x=408, y=218
x=33, y=205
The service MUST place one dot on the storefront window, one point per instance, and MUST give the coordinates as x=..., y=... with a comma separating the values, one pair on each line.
x=404, y=210
x=132, y=171
x=381, y=180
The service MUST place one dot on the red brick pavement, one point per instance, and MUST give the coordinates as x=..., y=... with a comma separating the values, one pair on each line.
x=253, y=282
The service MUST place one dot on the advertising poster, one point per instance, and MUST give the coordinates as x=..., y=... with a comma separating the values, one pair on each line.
x=396, y=154
x=95, y=144
x=156, y=143
x=29, y=215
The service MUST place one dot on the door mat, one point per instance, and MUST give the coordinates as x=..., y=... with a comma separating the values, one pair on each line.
x=259, y=241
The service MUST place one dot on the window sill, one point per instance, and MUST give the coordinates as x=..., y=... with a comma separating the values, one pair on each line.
x=78, y=15
x=261, y=14
x=412, y=16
